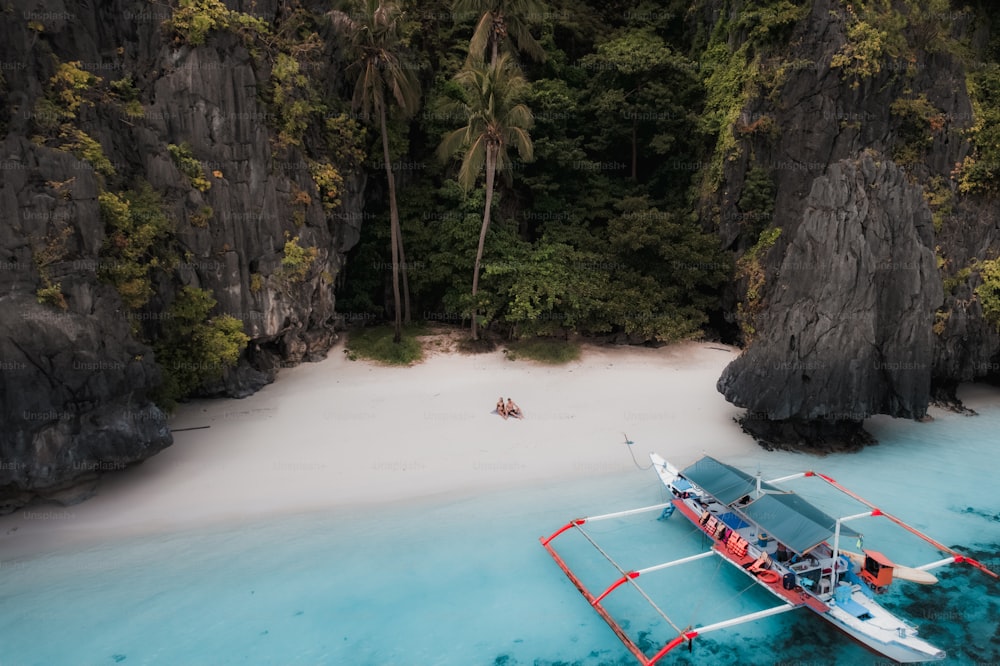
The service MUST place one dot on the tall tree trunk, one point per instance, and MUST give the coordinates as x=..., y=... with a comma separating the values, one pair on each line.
x=394, y=240
x=491, y=167
x=404, y=270
x=635, y=147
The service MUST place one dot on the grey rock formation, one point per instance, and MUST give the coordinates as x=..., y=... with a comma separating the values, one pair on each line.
x=821, y=118
x=73, y=395
x=848, y=330
x=75, y=383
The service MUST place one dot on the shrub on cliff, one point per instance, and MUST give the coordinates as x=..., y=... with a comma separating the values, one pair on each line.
x=192, y=20
x=189, y=165
x=195, y=348
x=297, y=261
x=978, y=172
x=988, y=292
x=137, y=233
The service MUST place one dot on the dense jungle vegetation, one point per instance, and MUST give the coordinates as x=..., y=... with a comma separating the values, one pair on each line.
x=591, y=226
x=532, y=168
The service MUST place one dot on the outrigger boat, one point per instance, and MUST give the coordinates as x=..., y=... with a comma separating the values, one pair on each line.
x=788, y=546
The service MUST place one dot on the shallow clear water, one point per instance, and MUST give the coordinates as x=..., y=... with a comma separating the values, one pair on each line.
x=467, y=582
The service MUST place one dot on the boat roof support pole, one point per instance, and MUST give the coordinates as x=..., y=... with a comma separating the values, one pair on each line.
x=836, y=541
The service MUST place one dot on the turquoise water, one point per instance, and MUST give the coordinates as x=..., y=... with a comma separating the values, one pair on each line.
x=466, y=583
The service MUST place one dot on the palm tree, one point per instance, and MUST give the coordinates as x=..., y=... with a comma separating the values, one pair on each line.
x=375, y=46
x=495, y=121
x=500, y=19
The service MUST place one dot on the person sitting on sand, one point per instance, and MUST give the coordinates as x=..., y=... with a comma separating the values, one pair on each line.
x=513, y=409
x=501, y=410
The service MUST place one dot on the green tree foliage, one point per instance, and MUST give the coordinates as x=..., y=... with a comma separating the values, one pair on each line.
x=918, y=121
x=498, y=22
x=988, y=292
x=750, y=267
x=126, y=92
x=193, y=20
x=189, y=165
x=980, y=171
x=554, y=256
x=138, y=231
x=194, y=347
x=642, y=92
x=70, y=89
x=756, y=201
x=865, y=50
x=296, y=261
x=496, y=121
x=545, y=288
x=294, y=99
x=382, y=75
x=46, y=253
x=664, y=272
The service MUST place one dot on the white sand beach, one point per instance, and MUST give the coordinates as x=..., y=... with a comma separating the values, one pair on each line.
x=338, y=434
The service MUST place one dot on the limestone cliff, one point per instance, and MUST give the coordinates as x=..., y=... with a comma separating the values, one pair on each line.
x=77, y=376
x=842, y=310
x=847, y=332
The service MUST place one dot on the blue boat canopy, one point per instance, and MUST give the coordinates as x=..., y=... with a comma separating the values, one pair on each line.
x=723, y=482
x=793, y=521
x=787, y=517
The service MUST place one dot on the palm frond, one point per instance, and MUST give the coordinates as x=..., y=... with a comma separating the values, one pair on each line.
x=472, y=163
x=494, y=118
x=342, y=22
x=520, y=139
x=452, y=143
x=519, y=30
x=519, y=116
x=481, y=36
x=375, y=49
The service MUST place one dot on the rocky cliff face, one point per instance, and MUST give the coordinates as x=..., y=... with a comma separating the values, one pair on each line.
x=847, y=332
x=844, y=314
x=76, y=377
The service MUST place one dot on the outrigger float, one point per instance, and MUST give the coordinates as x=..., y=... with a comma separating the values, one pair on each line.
x=788, y=546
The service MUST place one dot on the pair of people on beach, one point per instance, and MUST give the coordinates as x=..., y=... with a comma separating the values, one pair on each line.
x=508, y=409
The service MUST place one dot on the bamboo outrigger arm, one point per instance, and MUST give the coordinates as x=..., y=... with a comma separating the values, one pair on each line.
x=694, y=633
x=684, y=635
x=955, y=555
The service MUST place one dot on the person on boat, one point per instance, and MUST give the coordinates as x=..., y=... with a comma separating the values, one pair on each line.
x=514, y=410
x=501, y=410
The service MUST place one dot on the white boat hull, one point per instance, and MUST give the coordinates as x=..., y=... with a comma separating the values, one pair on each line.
x=906, y=649
x=880, y=631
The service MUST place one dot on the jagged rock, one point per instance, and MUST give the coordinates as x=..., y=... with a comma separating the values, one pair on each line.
x=73, y=399
x=815, y=436
x=847, y=332
x=62, y=427
x=823, y=117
